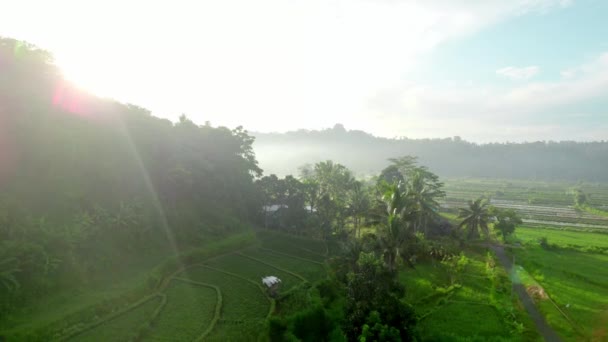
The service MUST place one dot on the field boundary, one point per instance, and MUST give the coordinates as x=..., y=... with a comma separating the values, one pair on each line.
x=218, y=305
x=291, y=256
x=273, y=266
x=119, y=313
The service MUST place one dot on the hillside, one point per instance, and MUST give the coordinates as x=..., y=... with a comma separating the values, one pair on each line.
x=92, y=189
x=366, y=155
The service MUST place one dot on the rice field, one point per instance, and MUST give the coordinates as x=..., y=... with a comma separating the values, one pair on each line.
x=573, y=275
x=221, y=299
x=539, y=203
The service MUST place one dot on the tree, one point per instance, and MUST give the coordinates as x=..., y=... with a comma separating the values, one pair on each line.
x=475, y=218
x=359, y=205
x=506, y=221
x=328, y=187
x=580, y=198
x=374, y=304
x=395, y=228
x=424, y=191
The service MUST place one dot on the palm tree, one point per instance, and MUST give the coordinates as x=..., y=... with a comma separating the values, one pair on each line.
x=475, y=218
x=423, y=198
x=358, y=206
x=395, y=229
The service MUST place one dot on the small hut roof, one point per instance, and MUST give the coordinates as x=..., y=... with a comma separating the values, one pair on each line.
x=270, y=280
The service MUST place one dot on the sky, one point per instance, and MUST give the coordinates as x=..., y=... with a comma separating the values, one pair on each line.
x=486, y=70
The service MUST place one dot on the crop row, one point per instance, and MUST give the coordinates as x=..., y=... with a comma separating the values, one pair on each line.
x=124, y=326
x=219, y=300
x=242, y=300
x=252, y=269
x=311, y=271
x=285, y=246
x=189, y=311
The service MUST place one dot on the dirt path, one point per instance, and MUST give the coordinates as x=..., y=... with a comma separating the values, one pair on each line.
x=541, y=325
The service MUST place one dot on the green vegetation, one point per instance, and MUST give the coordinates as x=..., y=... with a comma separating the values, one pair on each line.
x=242, y=300
x=576, y=287
x=564, y=238
x=189, y=312
x=124, y=327
x=116, y=225
x=309, y=270
x=252, y=269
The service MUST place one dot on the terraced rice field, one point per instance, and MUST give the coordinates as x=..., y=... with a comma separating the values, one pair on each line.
x=537, y=203
x=221, y=299
x=123, y=327
x=188, y=313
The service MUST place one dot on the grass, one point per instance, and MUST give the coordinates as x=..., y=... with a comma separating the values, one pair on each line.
x=471, y=310
x=242, y=300
x=562, y=238
x=226, y=331
x=309, y=270
x=123, y=327
x=63, y=309
x=316, y=246
x=192, y=309
x=252, y=270
x=462, y=320
x=576, y=283
x=189, y=311
x=286, y=246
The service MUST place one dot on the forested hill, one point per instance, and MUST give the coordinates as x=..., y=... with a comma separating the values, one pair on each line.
x=450, y=157
x=89, y=185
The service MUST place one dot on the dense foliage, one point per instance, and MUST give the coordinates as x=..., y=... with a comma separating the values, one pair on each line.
x=88, y=185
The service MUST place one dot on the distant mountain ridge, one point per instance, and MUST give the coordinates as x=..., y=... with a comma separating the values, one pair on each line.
x=365, y=154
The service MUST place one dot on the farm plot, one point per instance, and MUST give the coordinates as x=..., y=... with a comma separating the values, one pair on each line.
x=315, y=246
x=576, y=287
x=221, y=299
x=467, y=311
x=311, y=271
x=188, y=313
x=564, y=238
x=283, y=245
x=236, y=331
x=241, y=299
x=123, y=327
x=252, y=270
x=533, y=192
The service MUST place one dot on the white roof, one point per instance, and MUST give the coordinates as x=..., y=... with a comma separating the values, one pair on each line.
x=274, y=207
x=270, y=280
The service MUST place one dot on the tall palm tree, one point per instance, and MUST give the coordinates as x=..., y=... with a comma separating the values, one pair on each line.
x=423, y=198
x=396, y=226
x=358, y=205
x=475, y=218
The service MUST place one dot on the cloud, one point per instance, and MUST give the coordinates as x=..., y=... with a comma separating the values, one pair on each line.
x=518, y=74
x=268, y=65
x=572, y=107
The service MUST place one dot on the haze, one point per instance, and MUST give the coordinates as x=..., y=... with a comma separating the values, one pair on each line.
x=486, y=71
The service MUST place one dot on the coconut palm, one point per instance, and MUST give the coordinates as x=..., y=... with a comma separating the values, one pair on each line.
x=358, y=205
x=395, y=230
x=475, y=218
x=423, y=196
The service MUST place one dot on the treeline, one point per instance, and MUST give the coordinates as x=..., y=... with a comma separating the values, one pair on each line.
x=89, y=186
x=450, y=157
